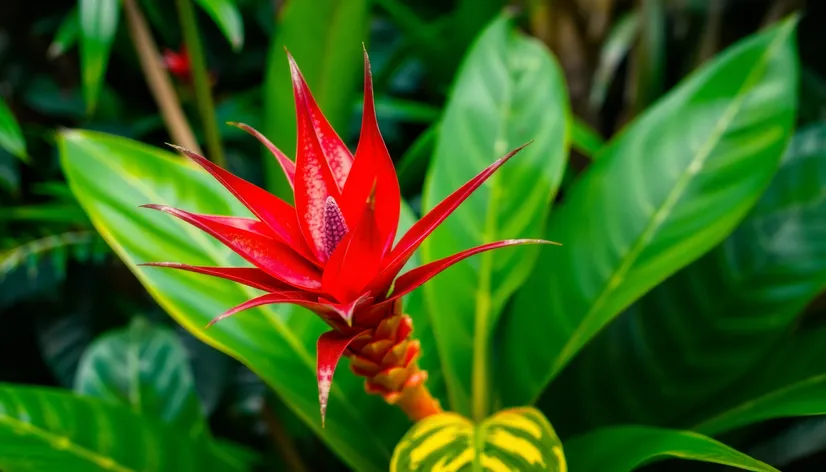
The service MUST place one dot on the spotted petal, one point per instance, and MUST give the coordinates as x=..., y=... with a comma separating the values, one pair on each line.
x=314, y=179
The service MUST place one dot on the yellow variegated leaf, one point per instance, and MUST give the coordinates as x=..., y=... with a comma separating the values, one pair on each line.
x=515, y=439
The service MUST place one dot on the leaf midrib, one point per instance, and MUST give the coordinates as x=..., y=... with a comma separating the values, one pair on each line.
x=20, y=428
x=659, y=216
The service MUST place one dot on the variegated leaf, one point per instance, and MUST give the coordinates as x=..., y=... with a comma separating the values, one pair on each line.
x=515, y=439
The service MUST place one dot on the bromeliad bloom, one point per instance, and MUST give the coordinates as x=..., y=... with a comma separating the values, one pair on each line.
x=333, y=253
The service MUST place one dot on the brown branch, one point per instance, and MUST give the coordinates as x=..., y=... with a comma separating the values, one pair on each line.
x=157, y=78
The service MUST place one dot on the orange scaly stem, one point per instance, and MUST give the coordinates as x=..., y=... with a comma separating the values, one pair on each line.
x=388, y=360
x=417, y=403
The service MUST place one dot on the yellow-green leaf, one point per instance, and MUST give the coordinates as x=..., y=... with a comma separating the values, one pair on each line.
x=515, y=439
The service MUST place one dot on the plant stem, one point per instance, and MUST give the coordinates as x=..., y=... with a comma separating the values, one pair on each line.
x=158, y=81
x=282, y=440
x=200, y=78
x=417, y=403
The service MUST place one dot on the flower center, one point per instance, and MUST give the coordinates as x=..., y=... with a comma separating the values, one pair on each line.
x=335, y=228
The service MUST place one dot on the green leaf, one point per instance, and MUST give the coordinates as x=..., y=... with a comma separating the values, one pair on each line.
x=625, y=448
x=614, y=50
x=98, y=25
x=413, y=164
x=11, y=136
x=509, y=91
x=225, y=14
x=325, y=38
x=516, y=439
x=585, y=139
x=704, y=327
x=670, y=187
x=62, y=341
x=49, y=429
x=111, y=176
x=145, y=367
x=790, y=381
x=66, y=35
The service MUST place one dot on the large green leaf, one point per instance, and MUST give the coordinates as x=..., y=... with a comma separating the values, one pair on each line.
x=325, y=37
x=790, y=381
x=11, y=136
x=666, y=190
x=48, y=429
x=145, y=367
x=705, y=326
x=226, y=15
x=625, y=448
x=98, y=25
x=509, y=91
x=518, y=439
x=111, y=176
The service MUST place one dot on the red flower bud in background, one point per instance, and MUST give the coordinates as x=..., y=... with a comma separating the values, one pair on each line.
x=333, y=253
x=179, y=65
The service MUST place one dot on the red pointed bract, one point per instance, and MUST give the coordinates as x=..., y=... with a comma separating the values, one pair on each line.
x=330, y=348
x=333, y=252
x=287, y=165
x=414, y=278
x=314, y=180
x=372, y=173
x=269, y=255
x=356, y=260
x=276, y=213
x=339, y=158
x=249, y=276
x=420, y=230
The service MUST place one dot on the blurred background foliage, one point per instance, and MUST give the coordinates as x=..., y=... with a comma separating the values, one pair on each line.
x=78, y=64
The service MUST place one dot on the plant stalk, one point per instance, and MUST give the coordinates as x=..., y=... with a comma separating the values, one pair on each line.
x=200, y=79
x=281, y=440
x=417, y=403
x=157, y=79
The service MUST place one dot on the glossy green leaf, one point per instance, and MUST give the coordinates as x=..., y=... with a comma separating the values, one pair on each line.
x=670, y=187
x=11, y=136
x=790, y=381
x=48, y=429
x=226, y=15
x=145, y=367
x=111, y=176
x=509, y=91
x=66, y=35
x=625, y=448
x=585, y=139
x=613, y=51
x=516, y=439
x=413, y=164
x=98, y=21
x=709, y=323
x=325, y=37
